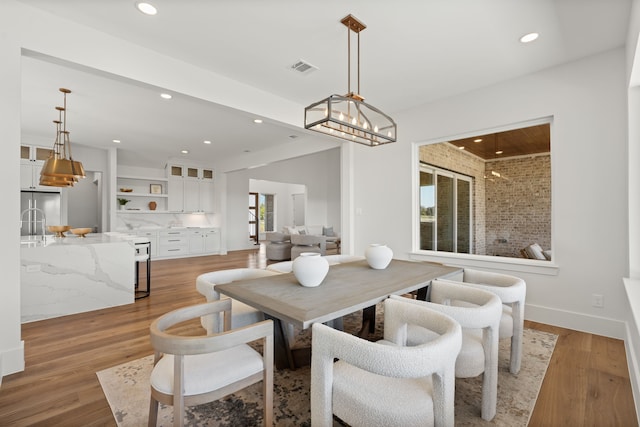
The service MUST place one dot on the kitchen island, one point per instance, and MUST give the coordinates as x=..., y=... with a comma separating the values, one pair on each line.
x=68, y=275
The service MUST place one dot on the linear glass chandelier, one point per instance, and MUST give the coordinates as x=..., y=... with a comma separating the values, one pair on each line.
x=349, y=117
x=59, y=169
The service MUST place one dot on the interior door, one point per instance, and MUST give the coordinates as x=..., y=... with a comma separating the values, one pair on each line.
x=298, y=209
x=253, y=217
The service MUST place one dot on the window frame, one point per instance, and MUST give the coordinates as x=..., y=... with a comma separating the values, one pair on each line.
x=455, y=176
x=524, y=265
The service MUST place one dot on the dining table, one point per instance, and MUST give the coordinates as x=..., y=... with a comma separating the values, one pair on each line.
x=347, y=288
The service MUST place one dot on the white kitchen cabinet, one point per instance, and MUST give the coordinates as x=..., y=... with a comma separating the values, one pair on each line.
x=190, y=189
x=182, y=242
x=204, y=241
x=191, y=195
x=173, y=243
x=212, y=240
x=196, y=241
x=176, y=194
x=31, y=161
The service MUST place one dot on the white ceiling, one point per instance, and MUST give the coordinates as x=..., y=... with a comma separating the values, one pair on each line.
x=412, y=52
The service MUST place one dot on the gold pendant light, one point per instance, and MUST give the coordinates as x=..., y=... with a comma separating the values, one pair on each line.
x=349, y=117
x=59, y=169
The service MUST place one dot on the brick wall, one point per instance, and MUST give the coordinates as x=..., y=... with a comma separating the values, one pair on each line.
x=518, y=205
x=510, y=211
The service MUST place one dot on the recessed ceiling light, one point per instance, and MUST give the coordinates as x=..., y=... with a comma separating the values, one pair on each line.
x=499, y=152
x=461, y=147
x=477, y=140
x=527, y=38
x=207, y=142
x=117, y=141
x=165, y=96
x=146, y=8
x=185, y=151
x=258, y=121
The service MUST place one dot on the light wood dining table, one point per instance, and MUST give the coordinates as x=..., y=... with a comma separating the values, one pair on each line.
x=348, y=287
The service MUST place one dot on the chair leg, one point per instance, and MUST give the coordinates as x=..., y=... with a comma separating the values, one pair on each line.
x=149, y=275
x=267, y=381
x=153, y=412
x=516, y=352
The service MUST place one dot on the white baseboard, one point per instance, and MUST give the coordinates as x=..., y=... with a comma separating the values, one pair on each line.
x=607, y=327
x=634, y=366
x=12, y=361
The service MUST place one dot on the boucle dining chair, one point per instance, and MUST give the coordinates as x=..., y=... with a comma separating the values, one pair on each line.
x=386, y=383
x=478, y=312
x=512, y=291
x=192, y=370
x=281, y=267
x=242, y=314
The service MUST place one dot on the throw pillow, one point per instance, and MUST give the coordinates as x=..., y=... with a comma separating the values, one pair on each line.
x=302, y=231
x=534, y=251
x=293, y=230
x=327, y=231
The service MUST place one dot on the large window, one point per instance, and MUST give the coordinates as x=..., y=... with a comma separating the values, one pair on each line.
x=488, y=194
x=266, y=212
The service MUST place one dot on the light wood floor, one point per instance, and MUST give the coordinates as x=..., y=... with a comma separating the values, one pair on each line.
x=587, y=383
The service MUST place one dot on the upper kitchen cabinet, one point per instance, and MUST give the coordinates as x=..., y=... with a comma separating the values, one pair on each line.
x=190, y=188
x=31, y=161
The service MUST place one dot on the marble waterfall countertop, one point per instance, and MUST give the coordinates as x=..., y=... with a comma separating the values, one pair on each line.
x=62, y=276
x=71, y=239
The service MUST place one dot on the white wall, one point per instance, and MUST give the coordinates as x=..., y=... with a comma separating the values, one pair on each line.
x=317, y=172
x=632, y=339
x=587, y=100
x=11, y=345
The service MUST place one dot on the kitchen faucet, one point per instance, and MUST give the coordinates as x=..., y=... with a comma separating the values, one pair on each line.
x=35, y=219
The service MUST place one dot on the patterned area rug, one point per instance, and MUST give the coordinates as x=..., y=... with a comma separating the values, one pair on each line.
x=126, y=387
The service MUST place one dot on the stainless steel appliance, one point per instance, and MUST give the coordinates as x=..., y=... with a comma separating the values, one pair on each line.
x=37, y=209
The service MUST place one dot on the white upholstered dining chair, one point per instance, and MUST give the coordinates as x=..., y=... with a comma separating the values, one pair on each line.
x=192, y=370
x=478, y=312
x=242, y=314
x=386, y=383
x=512, y=291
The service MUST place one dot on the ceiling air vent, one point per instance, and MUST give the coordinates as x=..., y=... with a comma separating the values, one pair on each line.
x=303, y=67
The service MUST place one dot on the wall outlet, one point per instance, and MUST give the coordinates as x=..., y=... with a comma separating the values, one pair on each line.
x=597, y=300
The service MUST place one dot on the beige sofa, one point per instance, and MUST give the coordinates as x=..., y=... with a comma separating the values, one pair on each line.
x=331, y=237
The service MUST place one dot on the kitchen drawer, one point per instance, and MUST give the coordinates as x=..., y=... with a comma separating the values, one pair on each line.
x=173, y=233
x=173, y=243
x=170, y=251
x=174, y=240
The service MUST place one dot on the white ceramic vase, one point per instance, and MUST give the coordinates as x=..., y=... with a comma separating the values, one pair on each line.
x=310, y=269
x=378, y=256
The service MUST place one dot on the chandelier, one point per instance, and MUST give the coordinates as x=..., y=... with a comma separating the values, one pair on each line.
x=59, y=169
x=349, y=117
